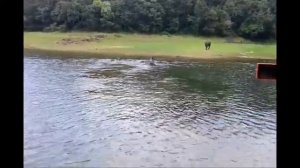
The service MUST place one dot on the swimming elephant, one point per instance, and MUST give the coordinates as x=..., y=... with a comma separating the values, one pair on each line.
x=207, y=45
x=152, y=64
x=152, y=61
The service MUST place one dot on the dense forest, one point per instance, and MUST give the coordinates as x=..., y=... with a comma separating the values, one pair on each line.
x=252, y=19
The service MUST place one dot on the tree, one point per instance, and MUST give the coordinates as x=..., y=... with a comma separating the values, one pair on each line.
x=255, y=19
x=140, y=15
x=200, y=10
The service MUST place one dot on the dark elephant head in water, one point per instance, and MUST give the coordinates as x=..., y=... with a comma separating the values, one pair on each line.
x=207, y=45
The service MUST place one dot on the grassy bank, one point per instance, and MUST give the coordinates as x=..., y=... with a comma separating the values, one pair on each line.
x=139, y=46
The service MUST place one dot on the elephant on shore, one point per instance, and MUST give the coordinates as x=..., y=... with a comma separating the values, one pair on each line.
x=207, y=45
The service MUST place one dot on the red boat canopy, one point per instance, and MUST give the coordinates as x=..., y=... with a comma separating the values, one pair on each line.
x=266, y=71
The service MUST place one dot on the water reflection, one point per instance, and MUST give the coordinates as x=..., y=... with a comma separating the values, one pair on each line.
x=108, y=113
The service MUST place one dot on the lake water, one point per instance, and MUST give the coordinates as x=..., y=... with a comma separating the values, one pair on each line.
x=126, y=113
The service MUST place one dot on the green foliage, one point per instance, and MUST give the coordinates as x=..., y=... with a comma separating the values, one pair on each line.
x=255, y=19
x=53, y=27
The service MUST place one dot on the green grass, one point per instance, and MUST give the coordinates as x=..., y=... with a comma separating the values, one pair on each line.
x=133, y=45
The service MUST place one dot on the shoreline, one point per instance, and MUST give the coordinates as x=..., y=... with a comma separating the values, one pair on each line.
x=33, y=52
x=139, y=46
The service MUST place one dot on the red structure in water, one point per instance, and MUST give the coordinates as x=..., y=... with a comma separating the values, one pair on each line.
x=266, y=71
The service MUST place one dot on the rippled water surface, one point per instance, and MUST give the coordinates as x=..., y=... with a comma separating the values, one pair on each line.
x=126, y=113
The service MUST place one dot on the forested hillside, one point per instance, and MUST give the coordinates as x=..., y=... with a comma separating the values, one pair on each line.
x=252, y=19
